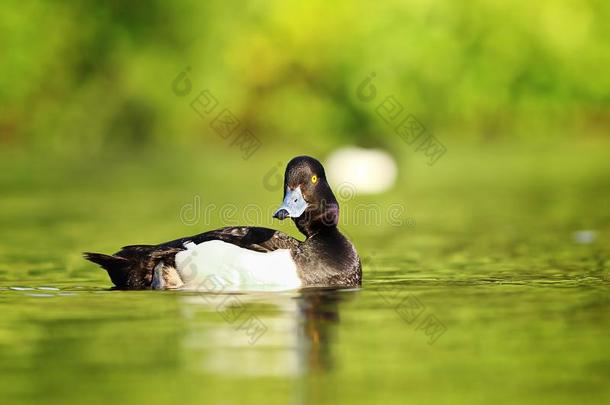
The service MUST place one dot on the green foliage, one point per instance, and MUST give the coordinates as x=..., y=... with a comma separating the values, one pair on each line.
x=83, y=74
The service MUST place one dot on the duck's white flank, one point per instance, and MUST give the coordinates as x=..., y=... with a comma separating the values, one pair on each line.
x=217, y=266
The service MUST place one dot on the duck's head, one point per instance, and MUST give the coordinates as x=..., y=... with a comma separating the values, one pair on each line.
x=308, y=199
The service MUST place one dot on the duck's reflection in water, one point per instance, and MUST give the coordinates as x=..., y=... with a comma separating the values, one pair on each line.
x=288, y=334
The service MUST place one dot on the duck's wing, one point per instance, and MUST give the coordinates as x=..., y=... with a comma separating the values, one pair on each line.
x=252, y=238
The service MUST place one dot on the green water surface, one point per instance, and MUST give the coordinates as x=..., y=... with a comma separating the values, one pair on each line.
x=483, y=293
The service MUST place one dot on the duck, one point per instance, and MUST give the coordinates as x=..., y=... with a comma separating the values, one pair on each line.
x=251, y=258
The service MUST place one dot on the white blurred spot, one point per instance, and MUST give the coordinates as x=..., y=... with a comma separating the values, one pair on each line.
x=584, y=237
x=367, y=171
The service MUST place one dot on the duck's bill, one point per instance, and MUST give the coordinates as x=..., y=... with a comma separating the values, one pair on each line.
x=294, y=205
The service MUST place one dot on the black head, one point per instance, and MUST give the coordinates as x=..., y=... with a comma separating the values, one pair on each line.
x=308, y=199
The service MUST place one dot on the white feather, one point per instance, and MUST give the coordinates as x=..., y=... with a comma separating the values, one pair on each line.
x=217, y=266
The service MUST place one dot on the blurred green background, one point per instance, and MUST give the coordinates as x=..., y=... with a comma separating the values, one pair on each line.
x=81, y=75
x=505, y=239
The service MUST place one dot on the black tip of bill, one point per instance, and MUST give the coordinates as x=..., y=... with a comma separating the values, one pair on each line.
x=281, y=214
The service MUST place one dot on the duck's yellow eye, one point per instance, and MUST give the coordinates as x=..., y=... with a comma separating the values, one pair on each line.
x=314, y=179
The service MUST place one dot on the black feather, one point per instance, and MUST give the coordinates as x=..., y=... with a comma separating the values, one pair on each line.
x=117, y=267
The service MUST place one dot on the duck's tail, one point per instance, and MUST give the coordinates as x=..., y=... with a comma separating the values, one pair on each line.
x=132, y=268
x=117, y=267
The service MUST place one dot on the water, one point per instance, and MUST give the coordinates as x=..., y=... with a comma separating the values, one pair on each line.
x=489, y=297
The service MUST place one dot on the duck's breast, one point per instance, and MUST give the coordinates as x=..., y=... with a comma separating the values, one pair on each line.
x=217, y=266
